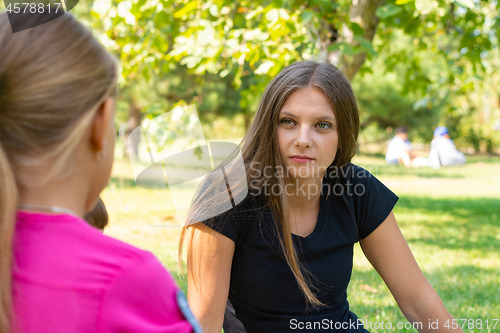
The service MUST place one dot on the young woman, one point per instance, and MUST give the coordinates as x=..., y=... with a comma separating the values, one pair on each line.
x=57, y=136
x=281, y=259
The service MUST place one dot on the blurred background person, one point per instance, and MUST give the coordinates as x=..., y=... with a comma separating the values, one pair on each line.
x=443, y=150
x=401, y=152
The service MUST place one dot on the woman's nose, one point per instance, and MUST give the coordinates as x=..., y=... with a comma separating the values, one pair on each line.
x=303, y=138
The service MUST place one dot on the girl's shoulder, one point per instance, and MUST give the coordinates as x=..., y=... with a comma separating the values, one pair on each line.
x=351, y=173
x=366, y=199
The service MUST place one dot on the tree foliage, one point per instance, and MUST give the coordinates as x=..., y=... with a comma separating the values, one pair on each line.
x=441, y=50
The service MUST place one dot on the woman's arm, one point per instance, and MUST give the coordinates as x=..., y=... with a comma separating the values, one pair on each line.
x=210, y=255
x=388, y=252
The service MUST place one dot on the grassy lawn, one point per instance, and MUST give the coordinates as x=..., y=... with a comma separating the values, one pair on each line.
x=450, y=218
x=451, y=221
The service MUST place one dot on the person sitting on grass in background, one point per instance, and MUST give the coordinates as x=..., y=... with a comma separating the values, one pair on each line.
x=443, y=150
x=98, y=216
x=400, y=151
x=57, y=135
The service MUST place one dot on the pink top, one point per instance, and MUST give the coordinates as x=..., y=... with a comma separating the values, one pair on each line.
x=69, y=277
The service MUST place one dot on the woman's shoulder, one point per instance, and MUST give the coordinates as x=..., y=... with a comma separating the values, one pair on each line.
x=142, y=296
x=69, y=244
x=108, y=247
x=369, y=201
x=140, y=291
x=131, y=288
x=352, y=172
x=358, y=184
x=235, y=220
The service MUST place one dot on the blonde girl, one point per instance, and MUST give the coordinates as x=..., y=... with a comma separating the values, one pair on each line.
x=57, y=136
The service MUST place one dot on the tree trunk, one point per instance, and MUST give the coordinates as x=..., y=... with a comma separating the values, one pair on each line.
x=134, y=121
x=362, y=12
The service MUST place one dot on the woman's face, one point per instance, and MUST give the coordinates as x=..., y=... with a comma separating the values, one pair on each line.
x=307, y=133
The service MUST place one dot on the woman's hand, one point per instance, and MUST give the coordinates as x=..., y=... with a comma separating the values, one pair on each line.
x=209, y=259
x=389, y=254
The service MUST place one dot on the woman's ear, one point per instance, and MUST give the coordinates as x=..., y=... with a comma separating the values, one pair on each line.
x=101, y=122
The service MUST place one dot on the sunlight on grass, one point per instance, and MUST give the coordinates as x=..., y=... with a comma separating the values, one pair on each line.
x=450, y=218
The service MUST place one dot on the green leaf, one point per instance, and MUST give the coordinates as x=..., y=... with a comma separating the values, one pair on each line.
x=307, y=16
x=388, y=11
x=161, y=19
x=357, y=29
x=424, y=7
x=365, y=70
x=343, y=47
x=365, y=44
x=214, y=10
x=254, y=56
x=466, y=3
x=136, y=8
x=198, y=152
x=160, y=44
x=264, y=67
x=191, y=6
x=225, y=72
x=272, y=16
x=403, y=2
x=253, y=13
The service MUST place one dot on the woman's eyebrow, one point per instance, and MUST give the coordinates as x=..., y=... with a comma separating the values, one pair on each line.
x=286, y=113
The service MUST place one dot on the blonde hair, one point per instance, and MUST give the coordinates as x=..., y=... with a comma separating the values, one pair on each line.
x=260, y=148
x=53, y=78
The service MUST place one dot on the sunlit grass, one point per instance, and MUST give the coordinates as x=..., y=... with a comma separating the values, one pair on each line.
x=450, y=218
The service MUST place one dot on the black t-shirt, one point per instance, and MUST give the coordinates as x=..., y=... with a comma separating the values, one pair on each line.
x=264, y=295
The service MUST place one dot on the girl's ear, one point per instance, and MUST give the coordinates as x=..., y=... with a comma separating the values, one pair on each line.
x=101, y=122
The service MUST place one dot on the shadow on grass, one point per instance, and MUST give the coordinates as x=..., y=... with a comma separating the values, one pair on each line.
x=127, y=183
x=474, y=164
x=423, y=172
x=456, y=223
x=467, y=291
x=367, y=154
x=489, y=159
x=473, y=285
x=460, y=207
x=121, y=182
x=485, y=158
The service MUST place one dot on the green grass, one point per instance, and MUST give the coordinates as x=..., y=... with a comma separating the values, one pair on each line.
x=451, y=221
x=450, y=218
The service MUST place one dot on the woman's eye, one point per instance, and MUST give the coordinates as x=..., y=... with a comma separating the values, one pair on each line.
x=324, y=125
x=287, y=121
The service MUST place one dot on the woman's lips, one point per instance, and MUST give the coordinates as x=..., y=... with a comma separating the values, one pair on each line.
x=301, y=159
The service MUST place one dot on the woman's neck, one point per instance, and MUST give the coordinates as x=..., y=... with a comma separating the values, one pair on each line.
x=50, y=196
x=69, y=192
x=304, y=192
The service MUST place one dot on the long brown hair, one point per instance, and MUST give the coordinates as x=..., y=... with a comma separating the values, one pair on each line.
x=259, y=149
x=53, y=77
